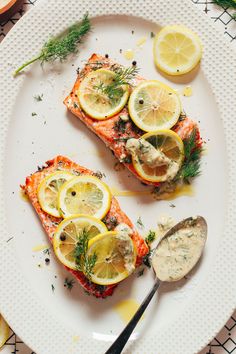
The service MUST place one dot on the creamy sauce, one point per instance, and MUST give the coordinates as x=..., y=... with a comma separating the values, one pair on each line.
x=141, y=41
x=39, y=248
x=126, y=309
x=129, y=54
x=151, y=156
x=125, y=247
x=178, y=253
x=187, y=91
x=146, y=152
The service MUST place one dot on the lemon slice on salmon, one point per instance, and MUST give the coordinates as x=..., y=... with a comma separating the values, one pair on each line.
x=4, y=331
x=84, y=195
x=94, y=98
x=170, y=147
x=115, y=257
x=154, y=105
x=48, y=191
x=177, y=50
x=68, y=234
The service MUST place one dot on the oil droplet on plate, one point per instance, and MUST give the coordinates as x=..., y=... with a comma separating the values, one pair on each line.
x=126, y=309
x=39, y=248
x=129, y=54
x=187, y=91
x=141, y=41
x=182, y=190
x=23, y=196
x=126, y=193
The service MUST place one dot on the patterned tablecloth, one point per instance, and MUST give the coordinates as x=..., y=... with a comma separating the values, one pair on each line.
x=225, y=341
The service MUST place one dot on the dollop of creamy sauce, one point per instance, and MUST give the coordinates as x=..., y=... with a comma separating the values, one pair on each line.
x=178, y=253
x=151, y=156
x=125, y=247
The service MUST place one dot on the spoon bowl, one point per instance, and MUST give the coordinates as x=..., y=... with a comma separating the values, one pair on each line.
x=195, y=240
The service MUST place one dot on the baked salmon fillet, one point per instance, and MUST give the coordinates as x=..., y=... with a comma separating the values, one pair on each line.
x=108, y=129
x=50, y=223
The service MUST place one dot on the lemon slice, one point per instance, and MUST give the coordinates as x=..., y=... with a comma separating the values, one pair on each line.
x=154, y=105
x=177, y=50
x=84, y=195
x=48, y=191
x=168, y=143
x=94, y=101
x=68, y=233
x=115, y=257
x=4, y=331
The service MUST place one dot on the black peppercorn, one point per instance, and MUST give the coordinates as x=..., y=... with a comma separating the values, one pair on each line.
x=47, y=260
x=134, y=63
x=73, y=193
x=141, y=101
x=106, y=56
x=62, y=237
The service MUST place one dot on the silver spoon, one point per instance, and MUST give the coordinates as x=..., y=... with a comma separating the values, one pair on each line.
x=186, y=225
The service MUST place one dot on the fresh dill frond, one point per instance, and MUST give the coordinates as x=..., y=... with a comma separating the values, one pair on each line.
x=192, y=161
x=60, y=47
x=84, y=262
x=227, y=4
x=150, y=237
x=123, y=76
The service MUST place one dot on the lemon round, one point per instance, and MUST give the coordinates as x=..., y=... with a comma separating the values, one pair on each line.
x=94, y=101
x=84, y=195
x=154, y=105
x=48, y=191
x=4, y=331
x=115, y=257
x=68, y=233
x=177, y=50
x=170, y=144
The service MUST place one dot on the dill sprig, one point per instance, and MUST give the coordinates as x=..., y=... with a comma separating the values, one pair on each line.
x=114, y=91
x=191, y=164
x=226, y=4
x=84, y=262
x=60, y=47
x=150, y=237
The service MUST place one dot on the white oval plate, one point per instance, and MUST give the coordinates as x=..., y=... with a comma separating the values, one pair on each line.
x=187, y=315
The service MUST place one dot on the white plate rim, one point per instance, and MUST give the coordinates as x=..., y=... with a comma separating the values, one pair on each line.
x=34, y=329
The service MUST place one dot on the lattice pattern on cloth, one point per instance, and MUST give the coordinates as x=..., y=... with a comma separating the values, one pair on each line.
x=225, y=342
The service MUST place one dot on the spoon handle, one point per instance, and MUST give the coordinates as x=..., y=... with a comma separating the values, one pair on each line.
x=118, y=345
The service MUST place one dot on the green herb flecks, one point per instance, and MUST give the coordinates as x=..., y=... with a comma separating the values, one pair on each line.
x=191, y=165
x=152, y=34
x=53, y=288
x=115, y=91
x=150, y=237
x=60, y=47
x=69, y=283
x=84, y=262
x=38, y=98
x=140, y=223
x=47, y=251
x=33, y=114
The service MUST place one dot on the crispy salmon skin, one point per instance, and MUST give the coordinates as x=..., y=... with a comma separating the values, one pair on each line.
x=108, y=129
x=50, y=222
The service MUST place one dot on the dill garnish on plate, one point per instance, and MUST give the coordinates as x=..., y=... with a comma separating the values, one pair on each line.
x=58, y=48
x=84, y=262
